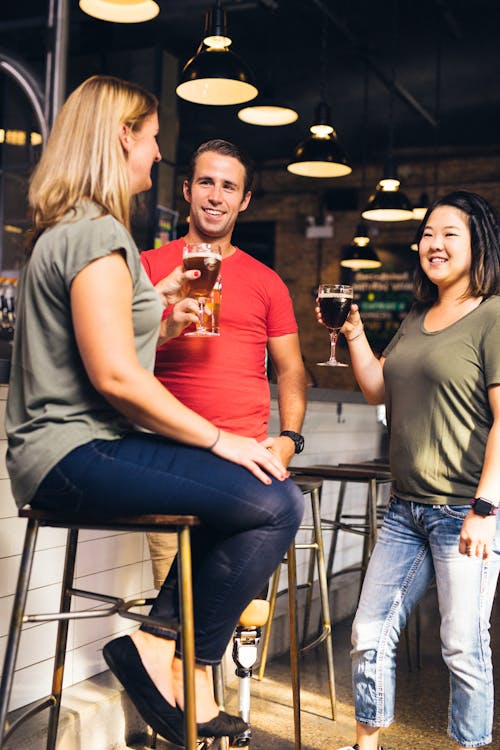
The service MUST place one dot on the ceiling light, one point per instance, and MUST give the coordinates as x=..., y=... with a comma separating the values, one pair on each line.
x=356, y=257
x=420, y=209
x=320, y=155
x=267, y=112
x=215, y=75
x=388, y=202
x=121, y=11
x=361, y=237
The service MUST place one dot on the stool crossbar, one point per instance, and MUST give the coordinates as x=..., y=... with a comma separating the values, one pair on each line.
x=73, y=522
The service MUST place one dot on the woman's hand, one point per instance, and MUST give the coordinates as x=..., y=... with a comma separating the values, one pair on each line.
x=476, y=537
x=353, y=327
x=175, y=286
x=181, y=315
x=251, y=454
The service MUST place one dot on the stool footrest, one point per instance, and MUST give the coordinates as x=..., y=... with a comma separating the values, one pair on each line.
x=37, y=708
x=321, y=637
x=117, y=606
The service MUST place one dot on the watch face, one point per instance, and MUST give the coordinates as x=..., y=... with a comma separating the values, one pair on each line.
x=483, y=507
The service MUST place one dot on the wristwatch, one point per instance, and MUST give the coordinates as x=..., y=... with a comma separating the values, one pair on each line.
x=483, y=507
x=297, y=439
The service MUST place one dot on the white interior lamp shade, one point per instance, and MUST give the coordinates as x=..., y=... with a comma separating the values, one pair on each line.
x=267, y=114
x=121, y=11
x=216, y=76
x=356, y=258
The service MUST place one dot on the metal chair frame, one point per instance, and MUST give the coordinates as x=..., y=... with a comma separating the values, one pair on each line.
x=309, y=486
x=73, y=522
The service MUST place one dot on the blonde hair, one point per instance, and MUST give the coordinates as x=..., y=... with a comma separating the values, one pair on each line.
x=83, y=158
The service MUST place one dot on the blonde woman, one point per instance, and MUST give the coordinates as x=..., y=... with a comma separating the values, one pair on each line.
x=91, y=428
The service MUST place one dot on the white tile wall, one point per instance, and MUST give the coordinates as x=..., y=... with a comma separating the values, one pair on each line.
x=119, y=563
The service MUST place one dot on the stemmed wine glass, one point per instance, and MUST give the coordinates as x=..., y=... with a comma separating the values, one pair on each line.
x=334, y=302
x=205, y=258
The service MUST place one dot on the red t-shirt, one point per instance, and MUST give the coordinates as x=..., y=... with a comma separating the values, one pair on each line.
x=224, y=378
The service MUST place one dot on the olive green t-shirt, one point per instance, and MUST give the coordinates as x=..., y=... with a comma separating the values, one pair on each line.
x=52, y=406
x=438, y=412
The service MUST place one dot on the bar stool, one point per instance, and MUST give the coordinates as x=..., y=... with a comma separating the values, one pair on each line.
x=373, y=475
x=309, y=486
x=73, y=522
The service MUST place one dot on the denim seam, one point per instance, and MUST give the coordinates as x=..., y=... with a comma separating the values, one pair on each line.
x=381, y=651
x=482, y=604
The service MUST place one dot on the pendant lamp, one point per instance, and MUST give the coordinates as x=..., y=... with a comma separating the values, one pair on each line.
x=320, y=154
x=216, y=75
x=268, y=112
x=357, y=258
x=121, y=11
x=388, y=202
x=361, y=237
x=421, y=207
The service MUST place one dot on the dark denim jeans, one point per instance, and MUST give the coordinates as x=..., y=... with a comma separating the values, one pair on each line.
x=247, y=525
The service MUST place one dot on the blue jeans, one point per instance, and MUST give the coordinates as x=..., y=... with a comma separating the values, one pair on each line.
x=416, y=543
x=247, y=525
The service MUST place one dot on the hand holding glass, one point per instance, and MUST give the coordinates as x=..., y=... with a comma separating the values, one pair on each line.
x=205, y=258
x=334, y=302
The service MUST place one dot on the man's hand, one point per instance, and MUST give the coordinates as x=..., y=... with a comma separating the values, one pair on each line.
x=283, y=447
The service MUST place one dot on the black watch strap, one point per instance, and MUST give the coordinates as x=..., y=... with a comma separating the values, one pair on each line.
x=297, y=438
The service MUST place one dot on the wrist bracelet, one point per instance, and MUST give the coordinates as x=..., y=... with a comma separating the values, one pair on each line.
x=353, y=338
x=210, y=447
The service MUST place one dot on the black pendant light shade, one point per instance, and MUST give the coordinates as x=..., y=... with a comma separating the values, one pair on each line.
x=320, y=155
x=361, y=237
x=267, y=111
x=388, y=202
x=216, y=75
x=357, y=258
x=420, y=209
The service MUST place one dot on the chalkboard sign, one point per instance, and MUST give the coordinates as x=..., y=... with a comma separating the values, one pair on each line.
x=385, y=294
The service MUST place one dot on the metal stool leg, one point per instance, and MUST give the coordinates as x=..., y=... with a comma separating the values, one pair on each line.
x=326, y=631
x=267, y=633
x=294, y=643
x=187, y=629
x=62, y=637
x=16, y=622
x=335, y=533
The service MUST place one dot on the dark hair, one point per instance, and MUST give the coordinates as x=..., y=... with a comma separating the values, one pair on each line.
x=485, y=247
x=225, y=148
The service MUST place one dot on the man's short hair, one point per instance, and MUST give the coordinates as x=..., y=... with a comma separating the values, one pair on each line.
x=225, y=148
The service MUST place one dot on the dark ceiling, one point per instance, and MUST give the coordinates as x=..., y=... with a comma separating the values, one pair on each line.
x=442, y=56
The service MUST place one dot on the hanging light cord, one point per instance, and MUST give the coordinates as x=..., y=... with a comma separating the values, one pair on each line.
x=437, y=103
x=324, y=70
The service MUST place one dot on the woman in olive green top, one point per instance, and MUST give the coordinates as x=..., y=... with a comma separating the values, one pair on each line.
x=90, y=427
x=440, y=380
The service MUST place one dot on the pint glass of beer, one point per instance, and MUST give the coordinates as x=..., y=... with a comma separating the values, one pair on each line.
x=205, y=258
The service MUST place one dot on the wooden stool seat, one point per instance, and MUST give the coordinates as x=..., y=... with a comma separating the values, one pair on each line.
x=73, y=522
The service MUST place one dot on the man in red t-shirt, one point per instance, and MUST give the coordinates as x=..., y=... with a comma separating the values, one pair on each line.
x=224, y=378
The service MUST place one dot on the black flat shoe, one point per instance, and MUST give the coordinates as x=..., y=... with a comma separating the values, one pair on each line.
x=222, y=725
x=124, y=661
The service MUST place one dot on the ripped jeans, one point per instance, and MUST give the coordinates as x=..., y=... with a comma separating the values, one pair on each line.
x=416, y=543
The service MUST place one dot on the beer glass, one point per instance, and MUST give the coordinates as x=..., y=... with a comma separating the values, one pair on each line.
x=205, y=258
x=334, y=302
